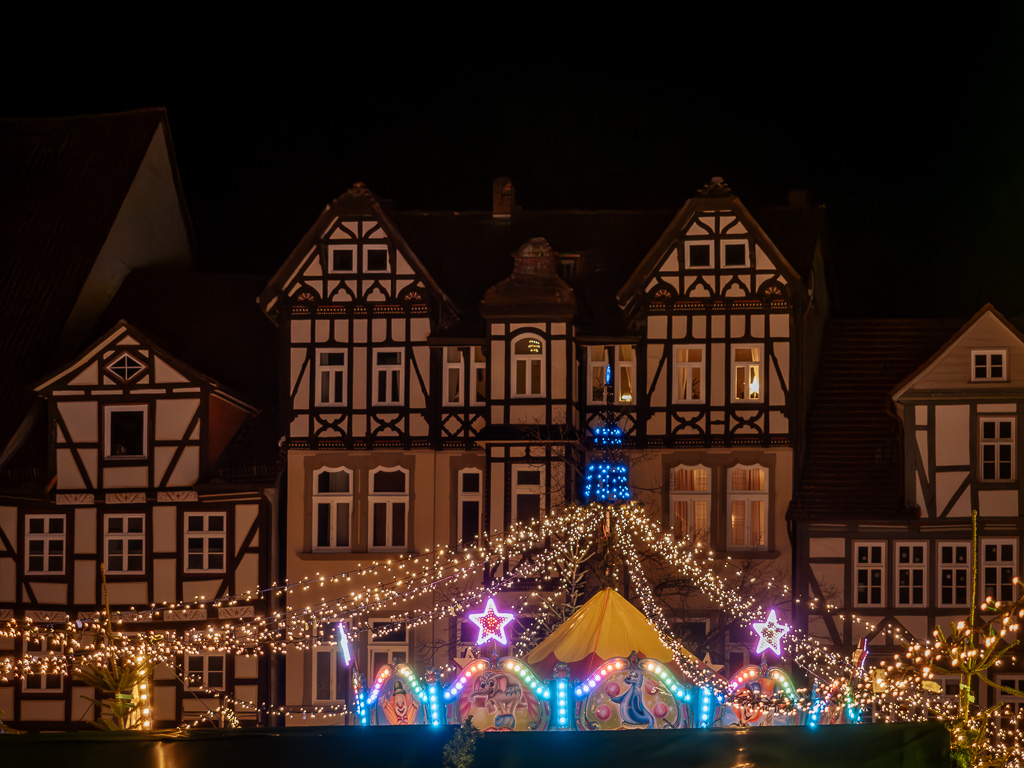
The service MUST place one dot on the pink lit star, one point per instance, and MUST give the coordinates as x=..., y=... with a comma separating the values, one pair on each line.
x=770, y=634
x=491, y=623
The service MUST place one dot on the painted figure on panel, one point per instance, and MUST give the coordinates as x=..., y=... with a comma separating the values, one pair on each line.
x=399, y=706
x=631, y=703
x=500, y=697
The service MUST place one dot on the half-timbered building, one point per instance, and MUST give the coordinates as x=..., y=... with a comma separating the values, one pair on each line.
x=914, y=427
x=134, y=509
x=435, y=390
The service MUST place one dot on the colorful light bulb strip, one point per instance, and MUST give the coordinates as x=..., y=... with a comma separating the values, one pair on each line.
x=562, y=706
x=667, y=678
x=378, y=683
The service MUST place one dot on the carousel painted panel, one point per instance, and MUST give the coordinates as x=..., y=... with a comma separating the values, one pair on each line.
x=761, y=696
x=633, y=693
x=502, y=695
x=397, y=698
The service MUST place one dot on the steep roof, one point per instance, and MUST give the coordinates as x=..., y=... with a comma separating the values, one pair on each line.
x=62, y=185
x=854, y=460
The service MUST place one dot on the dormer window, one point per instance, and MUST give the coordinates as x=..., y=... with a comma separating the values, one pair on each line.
x=988, y=365
x=125, y=431
x=528, y=367
x=126, y=367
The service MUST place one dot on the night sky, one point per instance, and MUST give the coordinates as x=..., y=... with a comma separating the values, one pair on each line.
x=909, y=130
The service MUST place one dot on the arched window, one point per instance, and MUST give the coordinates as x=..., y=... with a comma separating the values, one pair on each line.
x=389, y=508
x=332, y=510
x=748, y=507
x=528, y=367
x=471, y=506
x=690, y=502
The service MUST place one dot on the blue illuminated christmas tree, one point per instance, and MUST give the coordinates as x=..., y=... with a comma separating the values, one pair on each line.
x=607, y=478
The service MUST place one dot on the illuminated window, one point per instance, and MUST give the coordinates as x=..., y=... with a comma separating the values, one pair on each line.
x=388, y=377
x=911, y=565
x=125, y=431
x=616, y=371
x=331, y=376
x=869, y=573
x=388, y=644
x=124, y=543
x=471, y=506
x=997, y=448
x=688, y=386
x=205, y=541
x=748, y=507
x=528, y=367
x=690, y=502
x=205, y=672
x=40, y=646
x=954, y=572
x=998, y=567
x=45, y=543
x=988, y=365
x=332, y=510
x=389, y=508
x=527, y=493
x=746, y=374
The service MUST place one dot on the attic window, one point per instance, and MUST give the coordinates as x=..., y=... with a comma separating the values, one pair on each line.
x=698, y=254
x=376, y=260
x=734, y=254
x=126, y=367
x=341, y=258
x=988, y=365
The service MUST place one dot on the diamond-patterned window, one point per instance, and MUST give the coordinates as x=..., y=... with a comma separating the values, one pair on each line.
x=126, y=367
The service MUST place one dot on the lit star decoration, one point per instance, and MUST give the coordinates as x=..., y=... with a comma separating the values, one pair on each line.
x=491, y=623
x=770, y=634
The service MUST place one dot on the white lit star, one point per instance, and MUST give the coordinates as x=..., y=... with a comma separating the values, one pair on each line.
x=770, y=634
x=491, y=623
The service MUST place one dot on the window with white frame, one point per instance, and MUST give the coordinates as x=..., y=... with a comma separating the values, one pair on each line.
x=375, y=258
x=388, y=377
x=341, y=258
x=388, y=644
x=331, y=376
x=45, y=543
x=389, y=508
x=690, y=502
x=1011, y=703
x=699, y=254
x=329, y=671
x=735, y=254
x=454, y=376
x=954, y=572
x=748, y=507
x=477, y=377
x=528, y=367
x=911, y=565
x=614, y=368
x=988, y=365
x=332, y=509
x=125, y=430
x=126, y=367
x=688, y=378
x=39, y=646
x=869, y=573
x=205, y=541
x=206, y=671
x=998, y=567
x=471, y=505
x=997, y=447
x=527, y=493
x=124, y=543
x=746, y=374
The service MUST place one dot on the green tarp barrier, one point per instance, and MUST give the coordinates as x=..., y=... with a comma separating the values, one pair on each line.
x=834, y=746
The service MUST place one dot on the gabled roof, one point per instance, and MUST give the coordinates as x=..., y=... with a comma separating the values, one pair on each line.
x=853, y=467
x=62, y=185
x=123, y=330
x=988, y=310
x=358, y=201
x=717, y=196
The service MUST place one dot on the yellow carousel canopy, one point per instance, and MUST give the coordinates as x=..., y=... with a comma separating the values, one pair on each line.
x=605, y=627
